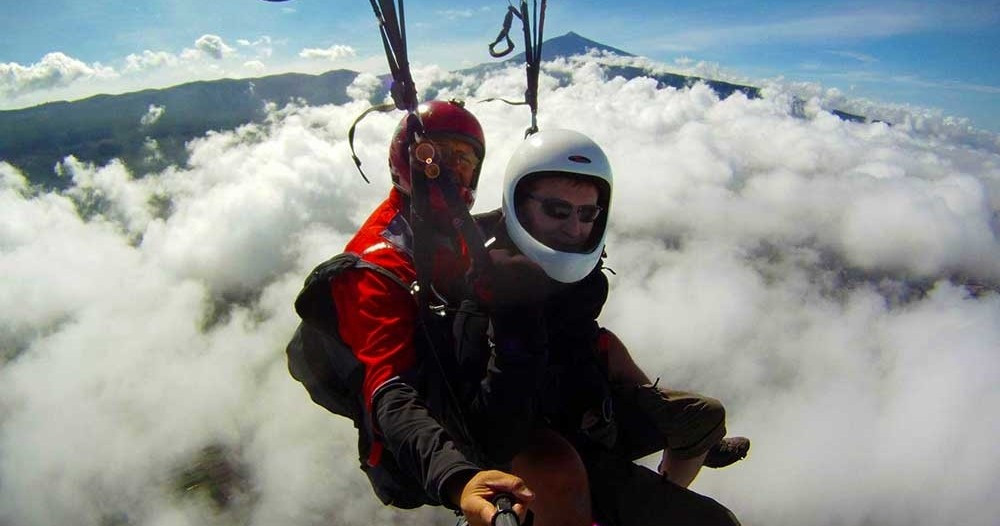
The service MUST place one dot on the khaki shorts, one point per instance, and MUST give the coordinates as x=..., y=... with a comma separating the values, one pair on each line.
x=650, y=418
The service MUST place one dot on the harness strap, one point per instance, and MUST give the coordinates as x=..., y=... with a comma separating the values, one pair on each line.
x=383, y=271
x=505, y=34
x=466, y=226
x=392, y=29
x=404, y=96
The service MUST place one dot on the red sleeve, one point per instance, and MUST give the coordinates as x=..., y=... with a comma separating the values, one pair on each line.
x=377, y=318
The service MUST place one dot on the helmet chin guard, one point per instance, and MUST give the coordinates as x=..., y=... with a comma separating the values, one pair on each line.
x=558, y=152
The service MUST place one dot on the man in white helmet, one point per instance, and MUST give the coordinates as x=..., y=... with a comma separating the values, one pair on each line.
x=556, y=203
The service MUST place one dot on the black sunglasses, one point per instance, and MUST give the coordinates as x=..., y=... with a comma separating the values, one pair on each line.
x=560, y=209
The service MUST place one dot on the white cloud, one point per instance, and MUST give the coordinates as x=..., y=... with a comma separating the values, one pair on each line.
x=149, y=60
x=456, y=14
x=860, y=57
x=262, y=47
x=152, y=115
x=255, y=66
x=363, y=87
x=11, y=179
x=152, y=148
x=807, y=271
x=213, y=46
x=54, y=70
x=332, y=53
x=59, y=75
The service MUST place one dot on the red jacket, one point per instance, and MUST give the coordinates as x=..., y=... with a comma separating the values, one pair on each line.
x=377, y=319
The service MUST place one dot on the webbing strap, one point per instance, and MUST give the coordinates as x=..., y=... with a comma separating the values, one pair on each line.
x=392, y=29
x=466, y=226
x=393, y=32
x=404, y=96
x=383, y=271
x=532, y=51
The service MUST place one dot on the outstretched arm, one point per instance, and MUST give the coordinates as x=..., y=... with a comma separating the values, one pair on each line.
x=377, y=320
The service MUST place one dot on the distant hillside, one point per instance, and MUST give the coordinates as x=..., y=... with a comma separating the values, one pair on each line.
x=104, y=127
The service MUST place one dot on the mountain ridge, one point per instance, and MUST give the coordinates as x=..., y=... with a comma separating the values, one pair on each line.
x=103, y=127
x=568, y=45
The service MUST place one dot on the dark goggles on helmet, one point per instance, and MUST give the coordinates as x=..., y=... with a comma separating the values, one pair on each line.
x=444, y=151
x=560, y=209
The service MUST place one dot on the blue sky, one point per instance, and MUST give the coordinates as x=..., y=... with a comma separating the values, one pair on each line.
x=930, y=54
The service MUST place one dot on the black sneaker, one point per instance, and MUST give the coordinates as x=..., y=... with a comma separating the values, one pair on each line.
x=727, y=452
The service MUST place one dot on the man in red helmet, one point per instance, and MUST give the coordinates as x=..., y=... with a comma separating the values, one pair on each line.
x=421, y=405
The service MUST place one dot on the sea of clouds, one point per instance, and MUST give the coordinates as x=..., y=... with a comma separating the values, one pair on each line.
x=835, y=284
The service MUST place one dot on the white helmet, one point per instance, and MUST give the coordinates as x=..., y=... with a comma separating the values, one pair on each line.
x=558, y=152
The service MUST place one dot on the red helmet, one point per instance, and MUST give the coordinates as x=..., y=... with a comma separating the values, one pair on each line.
x=441, y=119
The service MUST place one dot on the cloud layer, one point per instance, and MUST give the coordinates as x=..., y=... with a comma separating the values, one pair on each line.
x=209, y=57
x=835, y=284
x=53, y=70
x=332, y=53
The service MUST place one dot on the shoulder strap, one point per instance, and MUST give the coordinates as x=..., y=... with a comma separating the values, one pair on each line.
x=317, y=356
x=383, y=271
x=314, y=304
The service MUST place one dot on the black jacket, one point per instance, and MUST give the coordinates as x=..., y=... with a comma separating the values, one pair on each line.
x=559, y=376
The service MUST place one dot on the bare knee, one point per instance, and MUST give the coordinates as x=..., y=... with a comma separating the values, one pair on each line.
x=552, y=468
x=549, y=459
